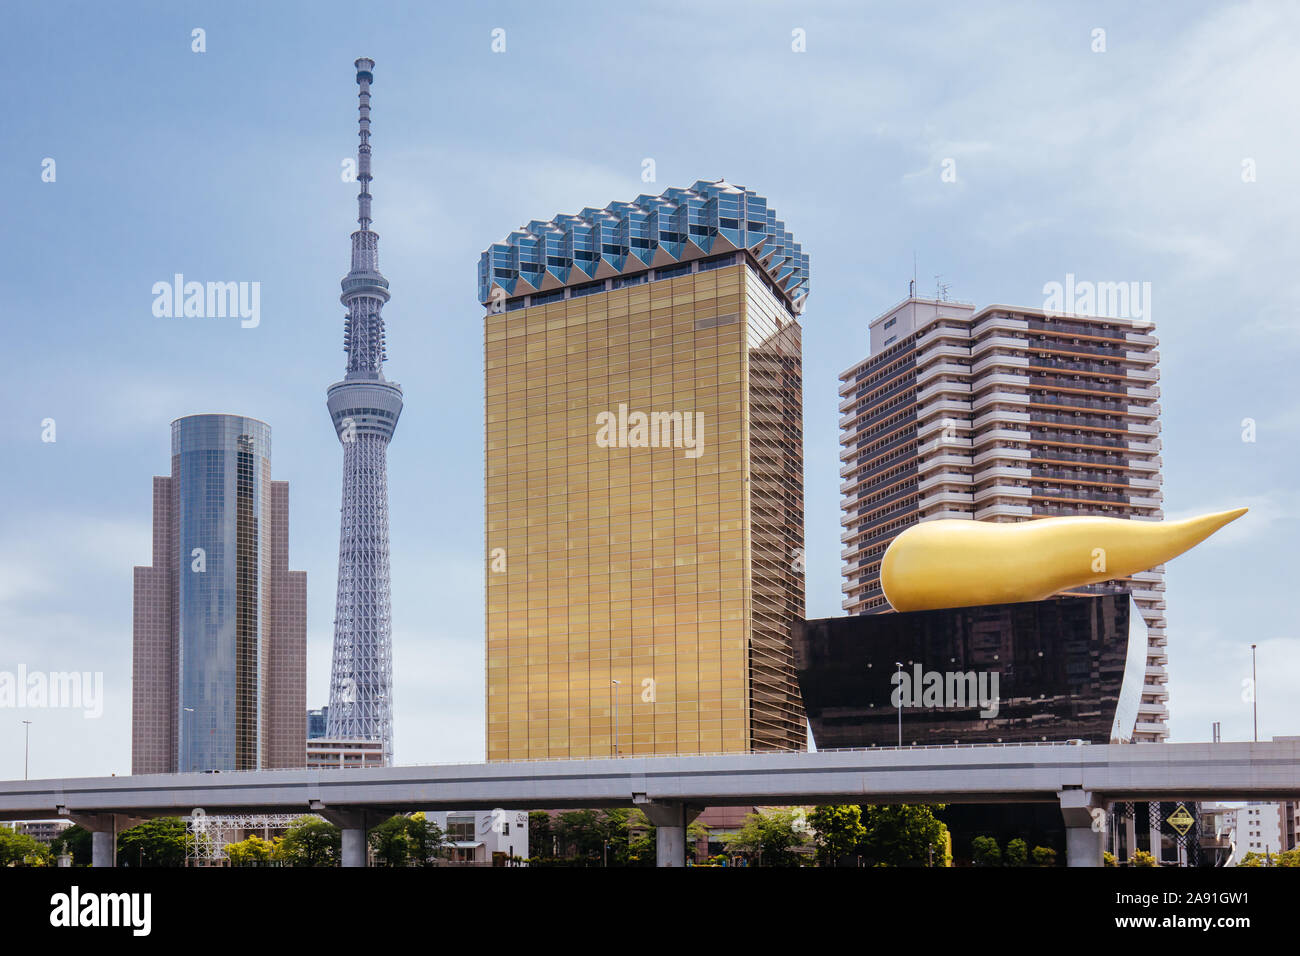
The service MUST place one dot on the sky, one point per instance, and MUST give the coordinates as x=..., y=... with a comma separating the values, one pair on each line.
x=1162, y=150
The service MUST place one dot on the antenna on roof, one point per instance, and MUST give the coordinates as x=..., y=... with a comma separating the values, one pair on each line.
x=911, y=286
x=941, y=288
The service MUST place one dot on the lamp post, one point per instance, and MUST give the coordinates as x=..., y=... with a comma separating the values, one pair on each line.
x=1254, y=692
x=900, y=703
x=615, y=684
x=27, y=745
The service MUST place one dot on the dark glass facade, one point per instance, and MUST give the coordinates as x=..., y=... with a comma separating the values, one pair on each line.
x=1064, y=668
x=223, y=501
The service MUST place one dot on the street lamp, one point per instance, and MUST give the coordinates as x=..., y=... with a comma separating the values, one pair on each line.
x=27, y=745
x=616, y=684
x=1254, y=692
x=900, y=703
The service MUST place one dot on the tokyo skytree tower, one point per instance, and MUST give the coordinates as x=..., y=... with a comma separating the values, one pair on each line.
x=365, y=408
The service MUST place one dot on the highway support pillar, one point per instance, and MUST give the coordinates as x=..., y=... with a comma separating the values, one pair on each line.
x=104, y=828
x=670, y=818
x=1085, y=828
x=355, y=824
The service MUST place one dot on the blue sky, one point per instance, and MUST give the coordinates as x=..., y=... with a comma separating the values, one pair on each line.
x=1123, y=165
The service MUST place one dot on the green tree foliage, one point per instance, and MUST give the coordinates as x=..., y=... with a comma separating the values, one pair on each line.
x=158, y=842
x=21, y=849
x=75, y=841
x=839, y=833
x=391, y=841
x=903, y=835
x=541, y=835
x=1017, y=853
x=311, y=842
x=1044, y=856
x=984, y=851
x=769, y=839
x=253, y=851
x=425, y=839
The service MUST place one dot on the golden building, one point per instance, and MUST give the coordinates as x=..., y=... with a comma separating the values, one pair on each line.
x=644, y=472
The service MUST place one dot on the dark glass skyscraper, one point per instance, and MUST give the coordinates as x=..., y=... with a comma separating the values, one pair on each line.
x=220, y=621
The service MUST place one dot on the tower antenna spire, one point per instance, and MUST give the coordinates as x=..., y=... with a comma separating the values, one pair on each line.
x=364, y=408
x=365, y=77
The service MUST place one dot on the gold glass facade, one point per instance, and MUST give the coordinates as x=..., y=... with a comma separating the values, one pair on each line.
x=644, y=475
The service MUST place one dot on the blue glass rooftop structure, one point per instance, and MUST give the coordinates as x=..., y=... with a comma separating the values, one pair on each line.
x=651, y=232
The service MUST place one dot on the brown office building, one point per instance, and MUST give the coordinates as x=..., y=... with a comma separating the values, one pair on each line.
x=1005, y=414
x=644, y=472
x=220, y=622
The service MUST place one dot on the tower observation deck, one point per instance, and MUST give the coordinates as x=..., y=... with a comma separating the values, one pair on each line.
x=364, y=407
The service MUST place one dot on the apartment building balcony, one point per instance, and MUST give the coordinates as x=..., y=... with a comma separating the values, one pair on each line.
x=998, y=322
x=1016, y=400
x=1144, y=391
x=1147, y=728
x=1144, y=411
x=1068, y=384
x=1143, y=358
x=945, y=350
x=1151, y=483
x=949, y=461
x=1151, y=500
x=1141, y=338
x=942, y=387
x=1016, y=360
x=960, y=498
x=1146, y=594
x=1062, y=455
x=931, y=337
x=978, y=349
x=1003, y=509
x=1152, y=711
x=1010, y=493
x=1156, y=675
x=999, y=433
x=998, y=452
x=999, y=472
x=1144, y=464
x=946, y=414
x=941, y=442
x=1152, y=577
x=1144, y=374
x=960, y=372
x=944, y=478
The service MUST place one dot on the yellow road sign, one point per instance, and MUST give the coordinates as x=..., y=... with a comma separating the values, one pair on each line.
x=1181, y=820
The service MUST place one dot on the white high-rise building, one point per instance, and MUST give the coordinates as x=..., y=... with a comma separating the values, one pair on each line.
x=1002, y=414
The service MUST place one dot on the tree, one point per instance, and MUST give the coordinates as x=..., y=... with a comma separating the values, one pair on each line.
x=768, y=838
x=581, y=836
x=984, y=851
x=311, y=841
x=75, y=841
x=1044, y=856
x=159, y=842
x=425, y=838
x=254, y=851
x=1017, y=853
x=904, y=835
x=541, y=835
x=391, y=841
x=22, y=849
x=839, y=832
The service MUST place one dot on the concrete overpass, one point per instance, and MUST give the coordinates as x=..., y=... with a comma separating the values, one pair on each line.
x=672, y=790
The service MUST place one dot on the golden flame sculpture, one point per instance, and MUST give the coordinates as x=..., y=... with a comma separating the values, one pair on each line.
x=955, y=562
